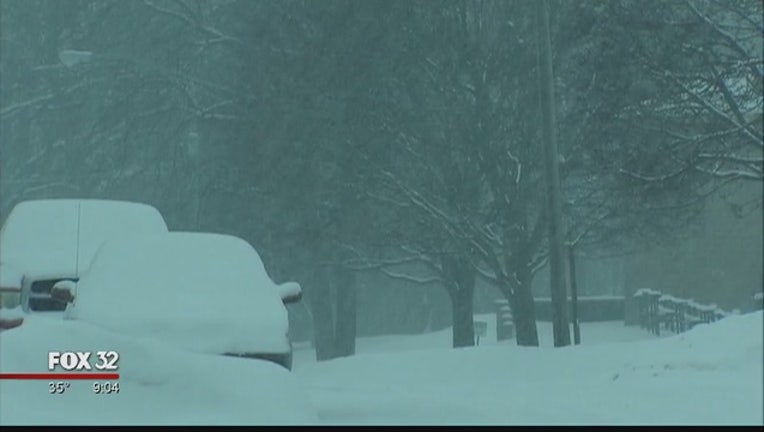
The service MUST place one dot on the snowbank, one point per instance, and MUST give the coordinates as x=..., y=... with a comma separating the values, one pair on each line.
x=158, y=385
x=207, y=293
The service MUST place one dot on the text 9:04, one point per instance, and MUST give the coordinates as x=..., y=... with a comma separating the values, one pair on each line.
x=106, y=387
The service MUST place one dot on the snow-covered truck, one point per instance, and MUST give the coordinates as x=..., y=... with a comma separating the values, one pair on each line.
x=44, y=242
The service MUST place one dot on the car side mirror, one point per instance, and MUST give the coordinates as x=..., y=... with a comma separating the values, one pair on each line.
x=64, y=291
x=290, y=292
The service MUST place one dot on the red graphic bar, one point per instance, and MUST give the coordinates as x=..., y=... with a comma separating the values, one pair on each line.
x=60, y=376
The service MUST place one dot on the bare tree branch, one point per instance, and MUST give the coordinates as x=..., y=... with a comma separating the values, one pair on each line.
x=195, y=23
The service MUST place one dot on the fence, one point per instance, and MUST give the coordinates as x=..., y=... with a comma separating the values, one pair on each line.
x=655, y=311
x=658, y=310
x=505, y=327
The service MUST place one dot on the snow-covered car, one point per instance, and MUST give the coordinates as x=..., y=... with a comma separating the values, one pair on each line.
x=43, y=242
x=202, y=292
x=158, y=384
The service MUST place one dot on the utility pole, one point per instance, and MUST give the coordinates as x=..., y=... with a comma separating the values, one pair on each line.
x=574, y=294
x=561, y=329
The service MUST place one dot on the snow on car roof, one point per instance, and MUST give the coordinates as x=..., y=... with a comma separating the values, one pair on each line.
x=40, y=236
x=204, y=292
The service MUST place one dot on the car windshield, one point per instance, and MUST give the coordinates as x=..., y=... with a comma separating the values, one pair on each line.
x=382, y=212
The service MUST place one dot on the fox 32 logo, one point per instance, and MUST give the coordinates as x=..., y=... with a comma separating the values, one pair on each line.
x=83, y=360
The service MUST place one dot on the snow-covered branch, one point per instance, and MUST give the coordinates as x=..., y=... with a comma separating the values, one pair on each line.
x=26, y=104
x=360, y=264
x=410, y=278
x=654, y=178
x=747, y=131
x=216, y=35
x=518, y=166
x=734, y=43
x=733, y=158
x=732, y=174
x=540, y=262
x=488, y=275
x=426, y=258
x=387, y=200
x=588, y=228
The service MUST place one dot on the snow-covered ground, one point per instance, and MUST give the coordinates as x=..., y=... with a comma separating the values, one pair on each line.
x=711, y=375
x=619, y=375
x=159, y=385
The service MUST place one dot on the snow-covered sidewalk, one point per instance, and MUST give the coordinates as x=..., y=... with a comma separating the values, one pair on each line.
x=711, y=375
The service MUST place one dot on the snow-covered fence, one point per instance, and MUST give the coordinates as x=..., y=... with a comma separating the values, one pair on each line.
x=505, y=327
x=658, y=310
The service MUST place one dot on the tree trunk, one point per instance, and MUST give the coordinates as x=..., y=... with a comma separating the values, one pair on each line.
x=520, y=297
x=462, y=316
x=345, y=319
x=460, y=284
x=560, y=325
x=524, y=310
x=320, y=299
